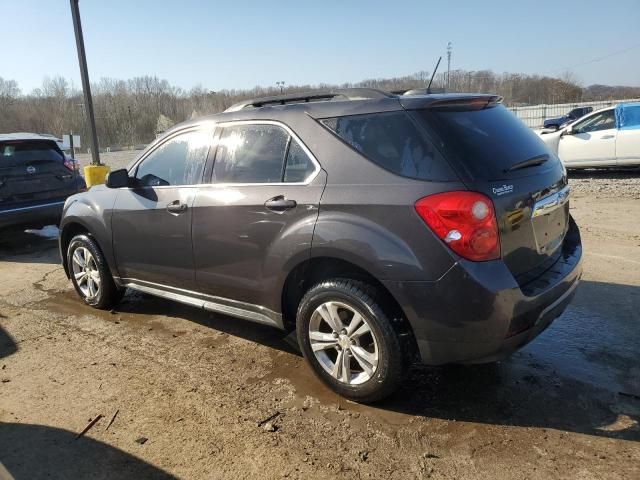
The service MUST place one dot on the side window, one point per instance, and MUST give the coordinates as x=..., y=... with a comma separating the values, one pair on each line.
x=178, y=161
x=299, y=165
x=600, y=121
x=392, y=141
x=250, y=154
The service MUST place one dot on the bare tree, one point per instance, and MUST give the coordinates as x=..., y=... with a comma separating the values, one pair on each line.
x=130, y=112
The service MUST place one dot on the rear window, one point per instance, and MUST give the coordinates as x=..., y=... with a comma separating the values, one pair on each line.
x=394, y=142
x=20, y=153
x=485, y=142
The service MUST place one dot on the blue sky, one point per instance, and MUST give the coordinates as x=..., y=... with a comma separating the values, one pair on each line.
x=242, y=43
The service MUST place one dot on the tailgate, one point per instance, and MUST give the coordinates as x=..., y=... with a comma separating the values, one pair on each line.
x=32, y=171
x=496, y=154
x=533, y=217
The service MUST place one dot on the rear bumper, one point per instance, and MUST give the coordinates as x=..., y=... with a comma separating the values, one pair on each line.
x=477, y=312
x=36, y=215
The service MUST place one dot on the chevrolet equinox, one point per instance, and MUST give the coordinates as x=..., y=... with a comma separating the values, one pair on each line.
x=384, y=229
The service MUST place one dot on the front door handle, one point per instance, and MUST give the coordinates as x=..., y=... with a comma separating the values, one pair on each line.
x=176, y=207
x=606, y=137
x=280, y=204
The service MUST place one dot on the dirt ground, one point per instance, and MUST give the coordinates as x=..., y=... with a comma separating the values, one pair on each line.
x=188, y=394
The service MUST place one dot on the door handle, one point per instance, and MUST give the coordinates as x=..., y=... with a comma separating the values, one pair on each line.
x=280, y=204
x=176, y=207
x=606, y=137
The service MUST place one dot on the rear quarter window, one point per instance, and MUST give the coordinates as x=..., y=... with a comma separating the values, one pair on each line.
x=394, y=142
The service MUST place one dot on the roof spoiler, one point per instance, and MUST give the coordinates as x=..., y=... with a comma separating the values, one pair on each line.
x=466, y=101
x=317, y=96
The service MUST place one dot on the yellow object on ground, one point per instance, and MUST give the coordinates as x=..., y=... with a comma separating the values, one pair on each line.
x=95, y=174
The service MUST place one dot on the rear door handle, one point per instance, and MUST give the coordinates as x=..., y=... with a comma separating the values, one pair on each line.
x=176, y=207
x=280, y=204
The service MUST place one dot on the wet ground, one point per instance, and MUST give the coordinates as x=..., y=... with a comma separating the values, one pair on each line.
x=202, y=388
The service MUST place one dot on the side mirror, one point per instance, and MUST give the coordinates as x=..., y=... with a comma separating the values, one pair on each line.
x=568, y=131
x=118, y=178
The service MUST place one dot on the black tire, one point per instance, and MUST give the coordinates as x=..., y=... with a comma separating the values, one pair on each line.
x=363, y=299
x=108, y=294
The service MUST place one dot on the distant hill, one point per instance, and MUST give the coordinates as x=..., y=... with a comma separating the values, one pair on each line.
x=607, y=92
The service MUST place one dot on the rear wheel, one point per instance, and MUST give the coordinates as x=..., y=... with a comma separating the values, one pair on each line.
x=349, y=341
x=90, y=273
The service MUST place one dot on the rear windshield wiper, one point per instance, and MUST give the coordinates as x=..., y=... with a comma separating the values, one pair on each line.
x=532, y=162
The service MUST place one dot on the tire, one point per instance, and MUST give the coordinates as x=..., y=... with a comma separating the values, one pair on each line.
x=364, y=380
x=105, y=293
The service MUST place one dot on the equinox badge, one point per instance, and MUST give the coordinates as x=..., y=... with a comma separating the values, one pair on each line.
x=504, y=189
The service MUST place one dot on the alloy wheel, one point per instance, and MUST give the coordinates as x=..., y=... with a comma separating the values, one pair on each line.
x=343, y=343
x=85, y=271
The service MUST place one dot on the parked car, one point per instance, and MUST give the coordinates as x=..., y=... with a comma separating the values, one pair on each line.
x=384, y=229
x=35, y=180
x=572, y=116
x=609, y=137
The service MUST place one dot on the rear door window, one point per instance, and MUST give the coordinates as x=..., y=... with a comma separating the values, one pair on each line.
x=394, y=142
x=250, y=154
x=260, y=153
x=178, y=161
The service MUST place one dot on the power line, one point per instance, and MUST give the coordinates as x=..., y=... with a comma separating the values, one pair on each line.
x=598, y=59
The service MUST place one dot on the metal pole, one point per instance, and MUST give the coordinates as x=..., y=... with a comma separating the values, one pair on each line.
x=86, y=87
x=449, y=48
x=73, y=153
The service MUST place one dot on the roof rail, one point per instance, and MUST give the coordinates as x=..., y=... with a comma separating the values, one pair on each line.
x=314, y=96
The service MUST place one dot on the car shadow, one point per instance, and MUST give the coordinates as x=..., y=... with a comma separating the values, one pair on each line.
x=581, y=375
x=37, y=451
x=577, y=376
x=137, y=302
x=22, y=247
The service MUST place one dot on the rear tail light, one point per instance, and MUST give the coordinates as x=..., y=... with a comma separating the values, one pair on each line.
x=71, y=164
x=464, y=221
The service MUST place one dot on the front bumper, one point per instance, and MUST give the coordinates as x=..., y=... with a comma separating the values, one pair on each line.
x=477, y=312
x=35, y=215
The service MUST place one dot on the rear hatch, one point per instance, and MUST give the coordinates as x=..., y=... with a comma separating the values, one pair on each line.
x=33, y=171
x=496, y=154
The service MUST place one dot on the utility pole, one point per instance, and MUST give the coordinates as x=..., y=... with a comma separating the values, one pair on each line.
x=86, y=87
x=130, y=125
x=449, y=49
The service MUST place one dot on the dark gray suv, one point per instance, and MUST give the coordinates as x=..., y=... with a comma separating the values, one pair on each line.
x=385, y=229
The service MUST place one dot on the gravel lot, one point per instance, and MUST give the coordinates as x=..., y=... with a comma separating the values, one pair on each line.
x=188, y=394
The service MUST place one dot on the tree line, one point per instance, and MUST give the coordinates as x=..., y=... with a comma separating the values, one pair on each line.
x=132, y=112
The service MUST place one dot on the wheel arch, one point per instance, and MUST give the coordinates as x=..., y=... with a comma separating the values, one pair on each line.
x=71, y=228
x=313, y=270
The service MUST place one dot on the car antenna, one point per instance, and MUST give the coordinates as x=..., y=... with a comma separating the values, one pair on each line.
x=433, y=75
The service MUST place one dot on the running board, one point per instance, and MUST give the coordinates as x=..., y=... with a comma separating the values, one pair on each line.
x=245, y=311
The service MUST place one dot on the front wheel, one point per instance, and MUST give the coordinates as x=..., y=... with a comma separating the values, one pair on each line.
x=347, y=338
x=90, y=273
